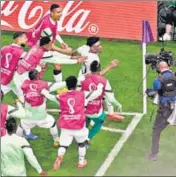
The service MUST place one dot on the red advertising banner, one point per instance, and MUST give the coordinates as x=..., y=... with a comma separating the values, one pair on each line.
x=108, y=19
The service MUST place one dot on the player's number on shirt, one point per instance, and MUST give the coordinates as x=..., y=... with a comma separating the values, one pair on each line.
x=8, y=58
x=71, y=103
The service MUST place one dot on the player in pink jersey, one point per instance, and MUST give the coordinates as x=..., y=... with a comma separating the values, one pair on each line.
x=8, y=110
x=30, y=61
x=95, y=108
x=10, y=56
x=35, y=107
x=33, y=60
x=72, y=120
x=48, y=26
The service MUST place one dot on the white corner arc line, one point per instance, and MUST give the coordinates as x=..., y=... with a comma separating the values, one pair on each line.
x=118, y=146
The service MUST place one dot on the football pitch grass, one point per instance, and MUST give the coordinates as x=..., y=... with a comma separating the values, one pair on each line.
x=125, y=80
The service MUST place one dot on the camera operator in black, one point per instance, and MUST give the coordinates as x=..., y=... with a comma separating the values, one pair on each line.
x=165, y=87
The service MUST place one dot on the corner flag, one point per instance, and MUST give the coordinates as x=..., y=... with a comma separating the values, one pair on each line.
x=147, y=37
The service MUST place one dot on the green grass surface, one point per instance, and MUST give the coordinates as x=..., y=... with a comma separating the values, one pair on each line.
x=125, y=81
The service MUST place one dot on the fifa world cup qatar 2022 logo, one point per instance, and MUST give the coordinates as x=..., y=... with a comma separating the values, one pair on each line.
x=8, y=58
x=33, y=87
x=74, y=18
x=71, y=104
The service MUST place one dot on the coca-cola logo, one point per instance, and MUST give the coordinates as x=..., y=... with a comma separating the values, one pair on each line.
x=77, y=21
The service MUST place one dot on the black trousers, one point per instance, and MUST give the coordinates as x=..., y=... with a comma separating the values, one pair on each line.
x=163, y=113
x=171, y=16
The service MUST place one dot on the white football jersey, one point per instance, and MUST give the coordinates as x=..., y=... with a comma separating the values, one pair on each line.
x=12, y=155
x=13, y=149
x=84, y=51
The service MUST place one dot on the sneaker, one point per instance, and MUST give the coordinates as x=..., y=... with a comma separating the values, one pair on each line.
x=166, y=37
x=152, y=157
x=115, y=116
x=82, y=165
x=58, y=162
x=31, y=136
x=56, y=144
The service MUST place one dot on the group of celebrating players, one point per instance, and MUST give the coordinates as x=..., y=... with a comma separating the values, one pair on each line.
x=81, y=100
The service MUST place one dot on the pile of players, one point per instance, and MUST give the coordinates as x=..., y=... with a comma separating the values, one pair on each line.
x=80, y=100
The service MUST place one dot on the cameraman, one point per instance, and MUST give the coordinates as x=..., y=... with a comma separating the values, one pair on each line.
x=165, y=87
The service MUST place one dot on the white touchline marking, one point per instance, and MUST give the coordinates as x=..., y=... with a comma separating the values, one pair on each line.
x=118, y=146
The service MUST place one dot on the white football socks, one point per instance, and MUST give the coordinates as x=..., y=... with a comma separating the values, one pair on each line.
x=61, y=151
x=82, y=154
x=54, y=133
x=58, y=77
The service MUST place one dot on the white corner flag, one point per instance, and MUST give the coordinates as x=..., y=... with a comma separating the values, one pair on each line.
x=147, y=37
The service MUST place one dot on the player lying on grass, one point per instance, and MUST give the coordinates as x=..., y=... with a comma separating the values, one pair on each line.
x=8, y=110
x=72, y=120
x=48, y=26
x=35, y=107
x=13, y=149
x=91, y=50
x=95, y=108
x=10, y=56
x=32, y=60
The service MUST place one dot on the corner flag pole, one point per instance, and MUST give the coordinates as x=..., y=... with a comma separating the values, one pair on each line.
x=147, y=36
x=144, y=49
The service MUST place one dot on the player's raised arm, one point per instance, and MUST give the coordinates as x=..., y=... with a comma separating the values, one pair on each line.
x=49, y=96
x=55, y=86
x=17, y=112
x=114, y=63
x=60, y=40
x=92, y=95
x=67, y=51
x=58, y=58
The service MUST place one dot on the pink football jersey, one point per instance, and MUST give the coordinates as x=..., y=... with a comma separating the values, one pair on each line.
x=10, y=56
x=31, y=60
x=34, y=35
x=32, y=91
x=72, y=110
x=4, y=110
x=90, y=84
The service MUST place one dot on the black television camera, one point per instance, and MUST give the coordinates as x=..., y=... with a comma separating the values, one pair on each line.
x=154, y=59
